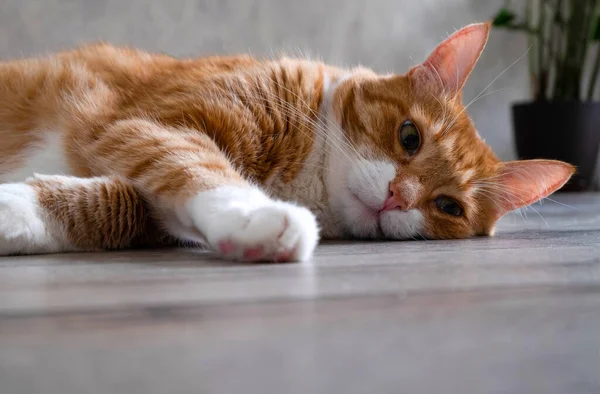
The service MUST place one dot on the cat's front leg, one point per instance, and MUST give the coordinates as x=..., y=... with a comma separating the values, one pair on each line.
x=199, y=195
x=243, y=223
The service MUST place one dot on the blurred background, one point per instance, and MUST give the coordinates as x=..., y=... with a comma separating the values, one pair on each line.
x=386, y=35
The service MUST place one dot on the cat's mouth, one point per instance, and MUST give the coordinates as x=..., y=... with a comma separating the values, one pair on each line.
x=369, y=210
x=366, y=218
x=377, y=223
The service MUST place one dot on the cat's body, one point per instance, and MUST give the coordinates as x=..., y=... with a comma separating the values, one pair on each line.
x=227, y=151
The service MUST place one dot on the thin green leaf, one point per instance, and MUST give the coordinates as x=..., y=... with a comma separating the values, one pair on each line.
x=503, y=18
x=596, y=31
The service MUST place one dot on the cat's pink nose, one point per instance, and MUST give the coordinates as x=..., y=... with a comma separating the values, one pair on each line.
x=395, y=201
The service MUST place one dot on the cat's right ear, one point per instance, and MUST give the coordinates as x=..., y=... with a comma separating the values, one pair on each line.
x=523, y=182
x=447, y=68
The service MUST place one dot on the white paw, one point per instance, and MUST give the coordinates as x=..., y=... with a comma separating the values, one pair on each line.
x=245, y=224
x=22, y=228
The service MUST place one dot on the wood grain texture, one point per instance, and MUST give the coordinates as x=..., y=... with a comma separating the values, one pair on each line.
x=517, y=313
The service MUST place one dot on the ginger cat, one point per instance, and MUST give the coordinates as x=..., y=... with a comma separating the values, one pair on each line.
x=250, y=158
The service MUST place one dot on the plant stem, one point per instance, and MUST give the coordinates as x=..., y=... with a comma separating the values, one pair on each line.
x=531, y=43
x=590, y=15
x=542, y=74
x=557, y=45
x=569, y=70
x=594, y=78
x=596, y=63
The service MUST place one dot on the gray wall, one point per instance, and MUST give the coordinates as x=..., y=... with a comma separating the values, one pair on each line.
x=387, y=35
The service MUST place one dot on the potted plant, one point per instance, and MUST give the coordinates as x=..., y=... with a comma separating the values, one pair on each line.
x=562, y=121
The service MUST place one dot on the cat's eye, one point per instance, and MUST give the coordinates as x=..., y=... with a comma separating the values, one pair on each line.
x=448, y=205
x=409, y=136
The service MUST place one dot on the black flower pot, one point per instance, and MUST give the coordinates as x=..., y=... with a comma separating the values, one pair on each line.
x=567, y=131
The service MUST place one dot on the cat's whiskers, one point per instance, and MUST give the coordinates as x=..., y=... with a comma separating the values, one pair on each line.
x=304, y=164
x=283, y=106
x=496, y=198
x=444, y=108
x=501, y=191
x=560, y=203
x=486, y=88
x=317, y=126
x=294, y=115
x=447, y=129
x=315, y=113
x=365, y=176
x=322, y=126
x=526, y=177
x=327, y=125
x=419, y=234
x=439, y=77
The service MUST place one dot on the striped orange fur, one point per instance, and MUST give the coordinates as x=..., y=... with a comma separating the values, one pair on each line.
x=225, y=151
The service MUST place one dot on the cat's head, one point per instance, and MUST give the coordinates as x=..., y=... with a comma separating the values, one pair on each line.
x=409, y=161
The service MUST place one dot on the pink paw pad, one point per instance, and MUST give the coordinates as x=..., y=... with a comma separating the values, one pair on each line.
x=226, y=247
x=284, y=256
x=254, y=253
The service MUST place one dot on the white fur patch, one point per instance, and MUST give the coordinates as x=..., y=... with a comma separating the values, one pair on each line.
x=369, y=181
x=467, y=175
x=23, y=227
x=47, y=156
x=437, y=127
x=245, y=224
x=419, y=115
x=448, y=143
x=401, y=225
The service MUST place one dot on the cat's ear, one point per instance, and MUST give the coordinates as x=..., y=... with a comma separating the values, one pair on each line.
x=523, y=182
x=447, y=68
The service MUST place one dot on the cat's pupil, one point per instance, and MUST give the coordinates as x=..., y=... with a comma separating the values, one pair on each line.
x=411, y=141
x=410, y=137
x=448, y=205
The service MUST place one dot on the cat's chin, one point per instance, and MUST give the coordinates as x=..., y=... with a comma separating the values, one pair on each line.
x=402, y=224
x=360, y=220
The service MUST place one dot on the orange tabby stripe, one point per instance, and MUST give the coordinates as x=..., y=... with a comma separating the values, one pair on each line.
x=103, y=213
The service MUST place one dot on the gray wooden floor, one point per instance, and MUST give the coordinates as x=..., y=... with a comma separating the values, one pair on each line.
x=517, y=313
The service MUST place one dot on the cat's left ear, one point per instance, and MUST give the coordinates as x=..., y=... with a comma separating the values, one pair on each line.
x=523, y=182
x=447, y=68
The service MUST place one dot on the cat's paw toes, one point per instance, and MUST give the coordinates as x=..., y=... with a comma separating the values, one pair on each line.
x=242, y=223
x=20, y=225
x=276, y=232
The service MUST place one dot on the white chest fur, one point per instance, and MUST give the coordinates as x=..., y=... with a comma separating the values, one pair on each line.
x=308, y=188
x=46, y=156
